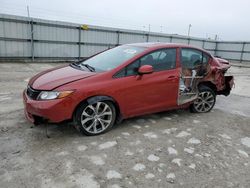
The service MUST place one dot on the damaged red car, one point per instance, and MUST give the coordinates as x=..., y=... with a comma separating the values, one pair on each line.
x=127, y=81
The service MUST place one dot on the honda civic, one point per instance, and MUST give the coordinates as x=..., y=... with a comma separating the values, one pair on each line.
x=127, y=81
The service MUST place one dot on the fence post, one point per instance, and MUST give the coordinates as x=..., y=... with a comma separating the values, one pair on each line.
x=216, y=48
x=147, y=37
x=79, y=43
x=203, y=44
x=32, y=39
x=118, y=38
x=242, y=52
x=171, y=39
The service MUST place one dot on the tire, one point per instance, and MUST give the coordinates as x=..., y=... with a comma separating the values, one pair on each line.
x=94, y=119
x=205, y=101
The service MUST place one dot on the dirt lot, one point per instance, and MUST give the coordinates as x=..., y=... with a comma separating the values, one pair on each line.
x=169, y=149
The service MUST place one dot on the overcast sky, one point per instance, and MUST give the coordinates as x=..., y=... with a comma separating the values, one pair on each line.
x=229, y=19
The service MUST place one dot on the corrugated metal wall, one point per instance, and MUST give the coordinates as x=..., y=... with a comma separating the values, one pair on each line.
x=36, y=39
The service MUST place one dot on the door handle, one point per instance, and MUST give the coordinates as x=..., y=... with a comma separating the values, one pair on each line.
x=171, y=77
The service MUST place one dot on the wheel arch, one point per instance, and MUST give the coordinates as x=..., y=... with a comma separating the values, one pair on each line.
x=97, y=98
x=208, y=84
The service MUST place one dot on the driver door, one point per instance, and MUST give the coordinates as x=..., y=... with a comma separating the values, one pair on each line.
x=151, y=92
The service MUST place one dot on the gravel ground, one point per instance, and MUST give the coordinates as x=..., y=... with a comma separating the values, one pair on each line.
x=168, y=149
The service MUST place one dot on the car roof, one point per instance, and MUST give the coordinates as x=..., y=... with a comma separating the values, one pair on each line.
x=156, y=45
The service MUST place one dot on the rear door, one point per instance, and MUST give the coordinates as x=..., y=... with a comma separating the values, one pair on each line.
x=194, y=67
x=150, y=92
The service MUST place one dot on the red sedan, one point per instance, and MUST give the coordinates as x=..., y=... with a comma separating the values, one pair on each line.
x=127, y=81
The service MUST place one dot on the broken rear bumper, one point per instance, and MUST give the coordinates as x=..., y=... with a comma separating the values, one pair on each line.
x=229, y=83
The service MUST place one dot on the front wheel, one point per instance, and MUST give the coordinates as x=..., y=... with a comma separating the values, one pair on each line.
x=97, y=118
x=205, y=101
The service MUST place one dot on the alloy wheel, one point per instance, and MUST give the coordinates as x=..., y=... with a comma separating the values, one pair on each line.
x=204, y=102
x=96, y=118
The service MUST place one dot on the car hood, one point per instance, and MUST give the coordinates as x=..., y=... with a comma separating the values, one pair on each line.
x=53, y=78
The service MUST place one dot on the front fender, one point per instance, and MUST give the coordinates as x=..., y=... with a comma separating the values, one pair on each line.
x=95, y=99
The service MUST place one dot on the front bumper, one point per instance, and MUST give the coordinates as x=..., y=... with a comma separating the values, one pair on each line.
x=56, y=110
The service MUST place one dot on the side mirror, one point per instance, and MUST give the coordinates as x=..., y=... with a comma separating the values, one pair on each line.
x=145, y=69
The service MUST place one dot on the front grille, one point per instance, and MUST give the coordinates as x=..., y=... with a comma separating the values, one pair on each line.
x=32, y=93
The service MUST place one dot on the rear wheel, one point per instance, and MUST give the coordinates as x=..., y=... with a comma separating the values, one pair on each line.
x=205, y=101
x=97, y=118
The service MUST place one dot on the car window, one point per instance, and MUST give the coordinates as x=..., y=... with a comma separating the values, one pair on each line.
x=191, y=58
x=194, y=62
x=112, y=58
x=132, y=69
x=162, y=56
x=160, y=60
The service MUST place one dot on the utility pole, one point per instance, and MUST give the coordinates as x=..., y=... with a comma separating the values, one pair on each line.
x=32, y=34
x=216, y=37
x=189, y=28
x=149, y=27
x=28, y=11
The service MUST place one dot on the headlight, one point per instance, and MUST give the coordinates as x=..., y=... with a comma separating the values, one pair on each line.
x=48, y=95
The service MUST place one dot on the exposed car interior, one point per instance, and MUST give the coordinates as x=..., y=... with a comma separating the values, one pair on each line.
x=193, y=69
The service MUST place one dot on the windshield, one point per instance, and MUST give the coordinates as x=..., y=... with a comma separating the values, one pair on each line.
x=112, y=58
